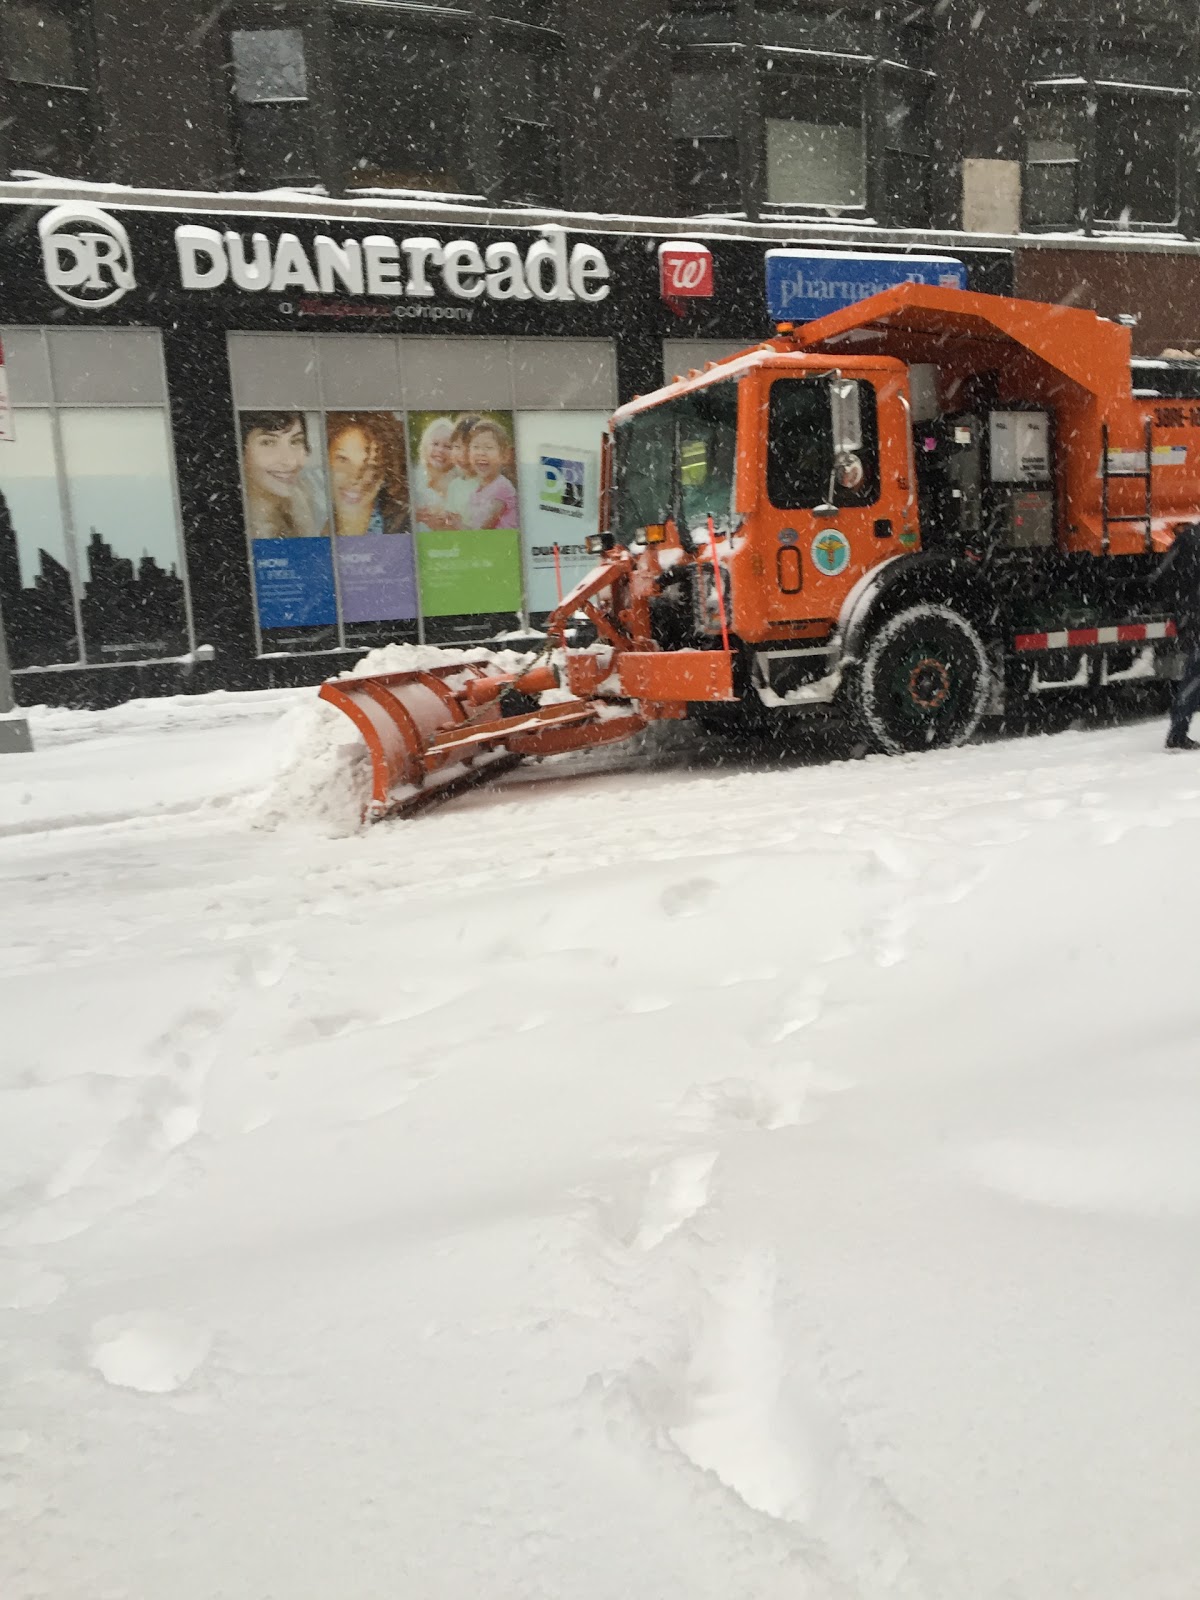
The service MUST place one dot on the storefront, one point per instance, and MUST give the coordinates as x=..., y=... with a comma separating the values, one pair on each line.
x=247, y=448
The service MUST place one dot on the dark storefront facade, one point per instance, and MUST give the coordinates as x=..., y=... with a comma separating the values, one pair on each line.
x=246, y=448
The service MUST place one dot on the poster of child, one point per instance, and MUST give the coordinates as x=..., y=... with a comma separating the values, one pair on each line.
x=368, y=473
x=464, y=472
x=281, y=481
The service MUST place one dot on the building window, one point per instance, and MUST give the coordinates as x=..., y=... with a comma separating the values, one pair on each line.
x=527, y=166
x=270, y=91
x=814, y=146
x=404, y=97
x=707, y=164
x=1053, y=142
x=1138, y=143
x=91, y=571
x=706, y=175
x=905, y=158
x=47, y=65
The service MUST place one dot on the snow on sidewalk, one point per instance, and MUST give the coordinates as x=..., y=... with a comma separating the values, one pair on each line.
x=743, y=1180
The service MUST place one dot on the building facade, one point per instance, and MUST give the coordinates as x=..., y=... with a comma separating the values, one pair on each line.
x=270, y=273
x=246, y=446
x=1061, y=114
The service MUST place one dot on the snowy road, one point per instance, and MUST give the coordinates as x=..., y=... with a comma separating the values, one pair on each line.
x=736, y=1182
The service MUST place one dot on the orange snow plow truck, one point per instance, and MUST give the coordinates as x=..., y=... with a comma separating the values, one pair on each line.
x=908, y=510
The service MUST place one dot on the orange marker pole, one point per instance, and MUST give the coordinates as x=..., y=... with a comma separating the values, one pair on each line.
x=720, y=583
x=558, y=573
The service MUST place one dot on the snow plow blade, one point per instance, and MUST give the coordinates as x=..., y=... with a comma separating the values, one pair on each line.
x=432, y=734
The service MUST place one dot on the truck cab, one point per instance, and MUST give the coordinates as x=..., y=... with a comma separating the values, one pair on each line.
x=979, y=465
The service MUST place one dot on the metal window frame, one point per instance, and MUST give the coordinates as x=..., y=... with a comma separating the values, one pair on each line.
x=1087, y=93
x=90, y=88
x=747, y=52
x=55, y=407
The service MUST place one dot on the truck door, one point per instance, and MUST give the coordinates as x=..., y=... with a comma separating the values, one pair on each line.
x=822, y=524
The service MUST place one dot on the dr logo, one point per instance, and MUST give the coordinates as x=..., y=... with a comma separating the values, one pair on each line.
x=86, y=256
x=562, y=486
x=830, y=552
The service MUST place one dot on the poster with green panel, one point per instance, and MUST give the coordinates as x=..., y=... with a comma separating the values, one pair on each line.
x=466, y=512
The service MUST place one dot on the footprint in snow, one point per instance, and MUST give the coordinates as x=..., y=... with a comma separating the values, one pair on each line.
x=26, y=1287
x=147, y=1351
x=676, y=1192
x=745, y=1104
x=642, y=1005
x=688, y=897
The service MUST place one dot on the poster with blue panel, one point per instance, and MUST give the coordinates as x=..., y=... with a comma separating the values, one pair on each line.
x=287, y=525
x=294, y=582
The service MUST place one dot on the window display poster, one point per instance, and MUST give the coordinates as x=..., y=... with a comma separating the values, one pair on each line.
x=117, y=462
x=36, y=591
x=286, y=519
x=370, y=516
x=559, y=453
x=466, y=511
x=7, y=434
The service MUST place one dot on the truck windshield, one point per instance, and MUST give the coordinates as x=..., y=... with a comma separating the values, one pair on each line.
x=706, y=420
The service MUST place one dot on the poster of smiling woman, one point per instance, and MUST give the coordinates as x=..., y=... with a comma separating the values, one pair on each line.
x=370, y=521
x=466, y=512
x=283, y=491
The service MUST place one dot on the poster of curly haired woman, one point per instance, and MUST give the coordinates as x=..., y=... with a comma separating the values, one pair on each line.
x=369, y=518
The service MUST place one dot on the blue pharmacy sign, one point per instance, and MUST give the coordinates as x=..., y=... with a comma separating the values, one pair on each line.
x=802, y=286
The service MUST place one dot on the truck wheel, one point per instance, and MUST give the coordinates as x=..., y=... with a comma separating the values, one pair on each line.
x=924, y=680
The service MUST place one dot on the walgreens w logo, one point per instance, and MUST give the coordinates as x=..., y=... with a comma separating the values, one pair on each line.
x=685, y=271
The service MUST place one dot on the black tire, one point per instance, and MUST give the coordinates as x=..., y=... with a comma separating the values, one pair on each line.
x=924, y=681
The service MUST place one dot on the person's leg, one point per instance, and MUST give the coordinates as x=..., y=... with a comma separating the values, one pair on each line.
x=1187, y=699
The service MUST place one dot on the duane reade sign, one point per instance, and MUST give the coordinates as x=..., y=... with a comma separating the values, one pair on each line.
x=549, y=269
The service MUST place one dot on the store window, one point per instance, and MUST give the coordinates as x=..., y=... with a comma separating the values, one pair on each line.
x=45, y=56
x=682, y=355
x=91, y=569
x=815, y=151
x=404, y=100
x=409, y=488
x=271, y=106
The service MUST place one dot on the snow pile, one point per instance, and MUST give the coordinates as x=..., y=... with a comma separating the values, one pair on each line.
x=323, y=776
x=54, y=725
x=323, y=779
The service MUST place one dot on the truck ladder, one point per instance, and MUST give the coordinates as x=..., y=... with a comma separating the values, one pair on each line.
x=1107, y=519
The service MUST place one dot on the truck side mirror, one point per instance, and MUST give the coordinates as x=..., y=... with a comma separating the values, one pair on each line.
x=846, y=417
